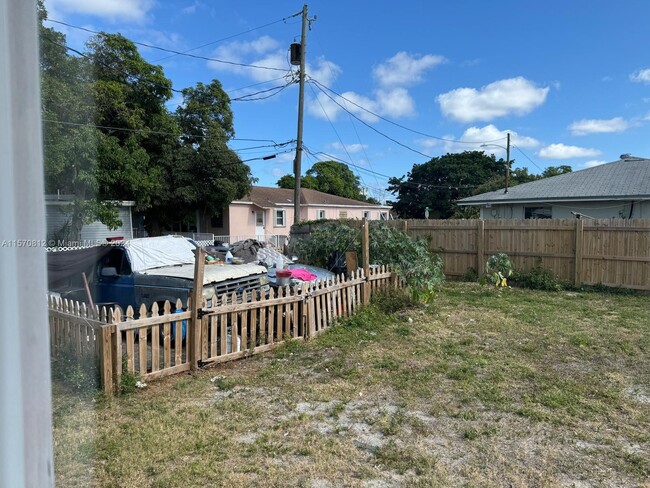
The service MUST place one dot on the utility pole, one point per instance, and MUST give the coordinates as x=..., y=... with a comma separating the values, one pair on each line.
x=301, y=102
x=507, y=162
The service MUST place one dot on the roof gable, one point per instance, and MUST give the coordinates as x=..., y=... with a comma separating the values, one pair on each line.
x=622, y=179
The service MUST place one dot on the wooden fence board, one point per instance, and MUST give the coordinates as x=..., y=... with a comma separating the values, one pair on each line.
x=614, y=252
x=151, y=344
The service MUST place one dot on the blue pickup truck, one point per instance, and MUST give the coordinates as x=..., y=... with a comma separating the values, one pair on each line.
x=155, y=269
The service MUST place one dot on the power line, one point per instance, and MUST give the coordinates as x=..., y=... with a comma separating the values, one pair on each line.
x=412, y=183
x=163, y=133
x=284, y=19
x=526, y=156
x=126, y=73
x=178, y=53
x=323, y=88
x=373, y=128
x=354, y=127
x=276, y=90
x=336, y=132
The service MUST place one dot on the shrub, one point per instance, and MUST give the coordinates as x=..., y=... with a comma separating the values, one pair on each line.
x=540, y=278
x=499, y=268
x=325, y=240
x=412, y=260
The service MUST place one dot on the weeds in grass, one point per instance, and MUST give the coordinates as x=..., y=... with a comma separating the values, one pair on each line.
x=129, y=381
x=80, y=373
x=488, y=388
x=540, y=278
x=402, y=460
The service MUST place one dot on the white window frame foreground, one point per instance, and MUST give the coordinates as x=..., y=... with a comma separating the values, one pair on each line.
x=26, y=454
x=321, y=214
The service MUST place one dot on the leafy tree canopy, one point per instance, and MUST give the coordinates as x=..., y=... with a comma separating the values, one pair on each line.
x=329, y=177
x=108, y=135
x=438, y=183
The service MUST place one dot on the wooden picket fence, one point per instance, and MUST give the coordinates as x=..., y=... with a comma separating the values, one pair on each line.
x=175, y=338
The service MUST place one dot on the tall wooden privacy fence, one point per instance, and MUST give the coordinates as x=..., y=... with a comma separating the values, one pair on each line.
x=175, y=338
x=612, y=252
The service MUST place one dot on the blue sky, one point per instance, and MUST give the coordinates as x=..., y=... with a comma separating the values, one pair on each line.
x=569, y=79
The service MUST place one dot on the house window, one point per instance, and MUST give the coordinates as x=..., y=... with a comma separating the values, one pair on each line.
x=259, y=219
x=321, y=215
x=383, y=215
x=280, y=218
x=366, y=214
x=343, y=214
x=217, y=220
x=537, y=212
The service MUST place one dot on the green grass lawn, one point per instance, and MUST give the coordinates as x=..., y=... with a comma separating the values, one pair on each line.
x=485, y=387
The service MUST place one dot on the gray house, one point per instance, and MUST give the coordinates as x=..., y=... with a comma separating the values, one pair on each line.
x=620, y=189
x=58, y=219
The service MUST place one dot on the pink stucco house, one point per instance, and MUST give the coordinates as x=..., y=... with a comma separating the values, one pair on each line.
x=267, y=213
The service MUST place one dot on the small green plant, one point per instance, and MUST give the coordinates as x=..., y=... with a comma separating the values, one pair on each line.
x=540, y=278
x=499, y=268
x=130, y=381
x=470, y=275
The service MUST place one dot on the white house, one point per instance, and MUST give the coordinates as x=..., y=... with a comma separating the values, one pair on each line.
x=620, y=189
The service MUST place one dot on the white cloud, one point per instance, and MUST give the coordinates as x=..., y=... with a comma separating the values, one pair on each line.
x=511, y=96
x=641, y=76
x=190, y=9
x=324, y=71
x=592, y=163
x=270, y=53
x=395, y=102
x=475, y=137
x=323, y=107
x=427, y=144
x=598, y=126
x=404, y=69
x=390, y=98
x=350, y=148
x=562, y=151
x=113, y=10
x=262, y=51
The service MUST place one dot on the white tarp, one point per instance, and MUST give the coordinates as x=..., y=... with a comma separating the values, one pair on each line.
x=213, y=273
x=156, y=252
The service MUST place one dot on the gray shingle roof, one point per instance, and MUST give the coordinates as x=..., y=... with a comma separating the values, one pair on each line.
x=264, y=196
x=620, y=180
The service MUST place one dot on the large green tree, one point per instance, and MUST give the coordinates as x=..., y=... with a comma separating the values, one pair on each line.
x=438, y=183
x=108, y=135
x=204, y=173
x=72, y=162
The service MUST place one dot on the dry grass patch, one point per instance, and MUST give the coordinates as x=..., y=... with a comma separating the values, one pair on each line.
x=486, y=387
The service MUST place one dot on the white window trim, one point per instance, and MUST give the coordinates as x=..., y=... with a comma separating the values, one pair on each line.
x=321, y=214
x=276, y=213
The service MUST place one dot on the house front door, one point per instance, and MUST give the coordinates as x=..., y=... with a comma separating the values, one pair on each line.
x=259, y=225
